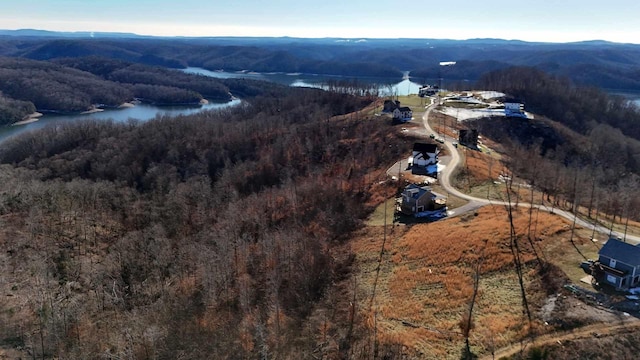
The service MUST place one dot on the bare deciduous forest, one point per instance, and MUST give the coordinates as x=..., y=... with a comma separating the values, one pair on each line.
x=226, y=234
x=207, y=236
x=585, y=148
x=75, y=85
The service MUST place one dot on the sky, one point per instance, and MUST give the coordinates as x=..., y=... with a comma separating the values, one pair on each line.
x=562, y=21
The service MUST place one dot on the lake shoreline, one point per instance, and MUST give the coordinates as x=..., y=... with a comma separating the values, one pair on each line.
x=33, y=117
x=123, y=113
x=109, y=108
x=386, y=85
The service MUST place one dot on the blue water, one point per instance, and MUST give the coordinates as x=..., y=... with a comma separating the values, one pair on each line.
x=387, y=86
x=140, y=112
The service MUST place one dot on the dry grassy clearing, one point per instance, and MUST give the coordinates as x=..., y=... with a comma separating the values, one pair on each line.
x=425, y=281
x=478, y=176
x=417, y=291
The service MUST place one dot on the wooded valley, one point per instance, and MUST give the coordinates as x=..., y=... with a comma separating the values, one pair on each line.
x=601, y=64
x=207, y=236
x=227, y=234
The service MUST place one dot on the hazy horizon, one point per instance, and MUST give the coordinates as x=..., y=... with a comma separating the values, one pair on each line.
x=568, y=21
x=354, y=39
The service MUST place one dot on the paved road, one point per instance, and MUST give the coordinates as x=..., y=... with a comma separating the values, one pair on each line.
x=475, y=203
x=445, y=176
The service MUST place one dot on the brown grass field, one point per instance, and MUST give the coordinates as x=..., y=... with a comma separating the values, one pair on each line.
x=419, y=292
x=478, y=176
x=425, y=281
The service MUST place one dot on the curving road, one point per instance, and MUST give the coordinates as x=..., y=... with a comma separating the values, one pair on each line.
x=474, y=203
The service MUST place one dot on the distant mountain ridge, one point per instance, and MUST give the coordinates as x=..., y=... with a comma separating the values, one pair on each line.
x=596, y=63
x=67, y=34
x=288, y=39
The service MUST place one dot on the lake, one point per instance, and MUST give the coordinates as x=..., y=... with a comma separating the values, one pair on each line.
x=387, y=86
x=140, y=111
x=145, y=112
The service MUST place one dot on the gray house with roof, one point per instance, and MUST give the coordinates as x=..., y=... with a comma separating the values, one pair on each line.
x=416, y=199
x=420, y=201
x=618, y=265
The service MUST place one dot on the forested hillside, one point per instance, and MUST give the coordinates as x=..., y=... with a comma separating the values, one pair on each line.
x=577, y=107
x=75, y=85
x=612, y=123
x=53, y=87
x=179, y=53
x=601, y=64
x=225, y=234
x=14, y=110
x=583, y=147
x=208, y=236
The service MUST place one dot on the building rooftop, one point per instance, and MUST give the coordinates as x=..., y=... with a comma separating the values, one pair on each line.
x=415, y=191
x=621, y=251
x=425, y=148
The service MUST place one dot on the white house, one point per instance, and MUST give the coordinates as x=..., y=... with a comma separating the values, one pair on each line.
x=424, y=155
x=514, y=109
x=403, y=114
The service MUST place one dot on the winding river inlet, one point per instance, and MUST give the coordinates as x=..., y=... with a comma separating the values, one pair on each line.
x=386, y=86
x=141, y=112
x=146, y=112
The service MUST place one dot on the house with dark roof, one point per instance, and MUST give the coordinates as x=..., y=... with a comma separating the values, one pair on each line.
x=424, y=159
x=428, y=90
x=390, y=105
x=402, y=114
x=421, y=202
x=416, y=199
x=468, y=138
x=424, y=154
x=618, y=265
